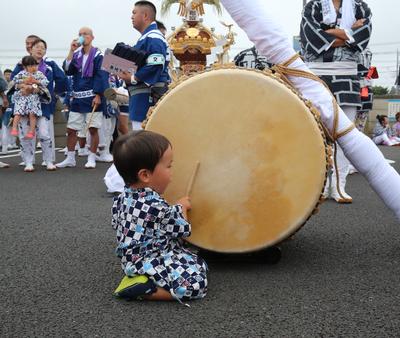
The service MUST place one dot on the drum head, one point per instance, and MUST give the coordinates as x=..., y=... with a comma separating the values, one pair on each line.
x=262, y=157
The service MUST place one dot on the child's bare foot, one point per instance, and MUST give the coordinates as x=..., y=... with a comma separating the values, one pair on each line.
x=30, y=135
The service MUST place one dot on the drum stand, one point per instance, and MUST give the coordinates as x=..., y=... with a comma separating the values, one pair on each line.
x=269, y=256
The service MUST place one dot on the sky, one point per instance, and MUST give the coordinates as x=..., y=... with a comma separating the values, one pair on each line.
x=58, y=22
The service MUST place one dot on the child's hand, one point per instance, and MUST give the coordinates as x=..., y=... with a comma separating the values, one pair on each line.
x=30, y=80
x=185, y=202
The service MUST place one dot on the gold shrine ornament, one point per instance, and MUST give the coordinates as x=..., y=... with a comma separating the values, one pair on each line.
x=192, y=32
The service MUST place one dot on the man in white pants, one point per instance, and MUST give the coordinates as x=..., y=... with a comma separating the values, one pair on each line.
x=271, y=41
x=83, y=63
x=333, y=35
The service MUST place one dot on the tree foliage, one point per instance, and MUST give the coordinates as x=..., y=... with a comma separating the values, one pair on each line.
x=379, y=90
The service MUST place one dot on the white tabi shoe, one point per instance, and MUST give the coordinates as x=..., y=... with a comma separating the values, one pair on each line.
x=12, y=146
x=50, y=166
x=21, y=164
x=4, y=165
x=327, y=191
x=82, y=152
x=29, y=168
x=104, y=157
x=344, y=199
x=44, y=164
x=352, y=170
x=91, y=163
x=67, y=163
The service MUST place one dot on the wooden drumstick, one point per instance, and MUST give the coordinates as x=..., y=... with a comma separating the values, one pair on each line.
x=191, y=182
x=90, y=119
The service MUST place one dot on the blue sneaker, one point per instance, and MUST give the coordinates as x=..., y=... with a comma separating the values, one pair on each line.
x=132, y=288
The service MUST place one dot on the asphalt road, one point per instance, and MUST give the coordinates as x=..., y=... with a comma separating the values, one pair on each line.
x=338, y=277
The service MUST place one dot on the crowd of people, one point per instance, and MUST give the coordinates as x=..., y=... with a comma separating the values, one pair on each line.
x=92, y=119
x=155, y=264
x=30, y=93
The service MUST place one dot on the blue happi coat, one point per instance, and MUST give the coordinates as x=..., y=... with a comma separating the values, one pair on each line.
x=57, y=84
x=84, y=89
x=153, y=73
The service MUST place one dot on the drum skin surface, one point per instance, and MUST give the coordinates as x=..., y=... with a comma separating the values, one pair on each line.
x=262, y=158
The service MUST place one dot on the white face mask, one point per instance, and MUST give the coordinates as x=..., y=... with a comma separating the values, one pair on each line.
x=80, y=40
x=348, y=13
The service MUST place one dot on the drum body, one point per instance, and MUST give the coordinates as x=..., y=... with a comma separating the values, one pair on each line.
x=262, y=154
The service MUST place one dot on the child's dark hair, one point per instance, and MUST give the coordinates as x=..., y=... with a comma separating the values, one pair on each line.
x=136, y=151
x=7, y=71
x=29, y=61
x=381, y=118
x=397, y=117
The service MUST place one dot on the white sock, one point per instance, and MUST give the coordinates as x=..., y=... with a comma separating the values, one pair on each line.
x=71, y=155
x=370, y=162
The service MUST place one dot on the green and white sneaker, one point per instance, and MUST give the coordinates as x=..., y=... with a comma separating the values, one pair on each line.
x=132, y=288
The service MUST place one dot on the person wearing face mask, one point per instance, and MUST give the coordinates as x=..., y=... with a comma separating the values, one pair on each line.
x=333, y=34
x=89, y=81
x=45, y=127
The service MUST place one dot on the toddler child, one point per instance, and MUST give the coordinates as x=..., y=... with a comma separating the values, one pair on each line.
x=28, y=105
x=150, y=232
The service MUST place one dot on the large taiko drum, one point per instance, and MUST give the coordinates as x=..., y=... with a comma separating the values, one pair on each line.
x=262, y=153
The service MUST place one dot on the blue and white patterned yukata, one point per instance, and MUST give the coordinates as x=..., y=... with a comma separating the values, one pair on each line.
x=29, y=104
x=149, y=235
x=317, y=49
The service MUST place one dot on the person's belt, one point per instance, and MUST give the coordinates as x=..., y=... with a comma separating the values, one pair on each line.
x=337, y=68
x=83, y=94
x=144, y=89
